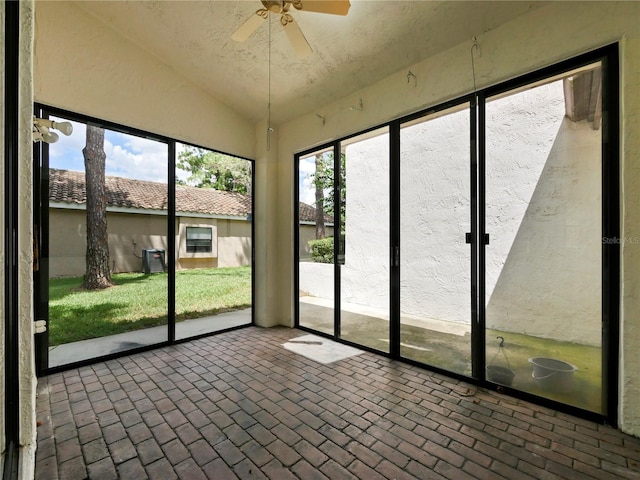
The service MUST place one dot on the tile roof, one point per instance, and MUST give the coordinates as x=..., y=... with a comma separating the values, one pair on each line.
x=66, y=186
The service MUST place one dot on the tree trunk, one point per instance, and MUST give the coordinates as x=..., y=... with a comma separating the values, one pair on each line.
x=319, y=198
x=97, y=274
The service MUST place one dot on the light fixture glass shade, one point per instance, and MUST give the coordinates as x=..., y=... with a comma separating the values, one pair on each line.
x=50, y=137
x=63, y=127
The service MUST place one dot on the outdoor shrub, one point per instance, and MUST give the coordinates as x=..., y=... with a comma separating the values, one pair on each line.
x=322, y=250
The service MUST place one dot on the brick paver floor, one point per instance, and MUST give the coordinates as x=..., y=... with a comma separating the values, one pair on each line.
x=238, y=405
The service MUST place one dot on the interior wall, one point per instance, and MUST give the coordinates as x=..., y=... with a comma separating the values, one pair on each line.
x=545, y=36
x=83, y=66
x=630, y=231
x=26, y=360
x=267, y=217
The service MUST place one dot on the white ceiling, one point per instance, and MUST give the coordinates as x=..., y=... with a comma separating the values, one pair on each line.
x=376, y=39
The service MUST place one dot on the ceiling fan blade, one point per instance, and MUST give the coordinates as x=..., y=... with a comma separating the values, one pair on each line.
x=248, y=27
x=334, y=7
x=297, y=39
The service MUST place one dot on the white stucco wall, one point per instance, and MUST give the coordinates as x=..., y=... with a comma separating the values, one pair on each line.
x=547, y=35
x=365, y=273
x=547, y=283
x=434, y=216
x=316, y=280
x=543, y=215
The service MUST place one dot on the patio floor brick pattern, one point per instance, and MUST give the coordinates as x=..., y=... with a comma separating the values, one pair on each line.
x=239, y=405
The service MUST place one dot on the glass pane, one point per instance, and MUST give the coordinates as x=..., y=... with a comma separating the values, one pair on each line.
x=543, y=263
x=88, y=315
x=213, y=241
x=199, y=233
x=364, y=263
x=435, y=259
x=315, y=230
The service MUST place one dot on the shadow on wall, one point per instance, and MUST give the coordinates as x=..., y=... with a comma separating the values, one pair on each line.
x=550, y=283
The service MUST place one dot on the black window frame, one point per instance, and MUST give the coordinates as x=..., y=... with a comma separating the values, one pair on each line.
x=608, y=55
x=40, y=219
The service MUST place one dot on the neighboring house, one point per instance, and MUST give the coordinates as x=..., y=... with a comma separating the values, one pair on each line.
x=307, y=229
x=213, y=228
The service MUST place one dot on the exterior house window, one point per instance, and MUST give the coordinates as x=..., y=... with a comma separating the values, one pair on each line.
x=199, y=239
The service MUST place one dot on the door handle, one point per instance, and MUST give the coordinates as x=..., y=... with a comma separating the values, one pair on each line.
x=468, y=239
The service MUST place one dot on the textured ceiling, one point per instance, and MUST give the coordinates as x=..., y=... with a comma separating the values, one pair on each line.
x=376, y=39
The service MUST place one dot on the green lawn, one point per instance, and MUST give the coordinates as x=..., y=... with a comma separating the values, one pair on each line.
x=139, y=301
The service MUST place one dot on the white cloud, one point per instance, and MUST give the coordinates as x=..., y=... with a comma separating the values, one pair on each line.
x=66, y=153
x=307, y=167
x=136, y=157
x=127, y=155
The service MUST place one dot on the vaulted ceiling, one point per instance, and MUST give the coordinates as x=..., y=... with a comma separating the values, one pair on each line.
x=375, y=39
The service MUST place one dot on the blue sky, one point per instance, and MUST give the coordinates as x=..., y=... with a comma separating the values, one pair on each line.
x=138, y=158
x=127, y=155
x=307, y=191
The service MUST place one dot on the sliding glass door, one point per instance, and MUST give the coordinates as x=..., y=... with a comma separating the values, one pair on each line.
x=479, y=238
x=343, y=240
x=543, y=269
x=435, y=262
x=364, y=240
x=316, y=247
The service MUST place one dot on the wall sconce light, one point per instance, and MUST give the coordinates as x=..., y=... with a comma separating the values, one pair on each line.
x=42, y=130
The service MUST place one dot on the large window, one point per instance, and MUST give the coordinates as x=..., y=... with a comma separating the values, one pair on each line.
x=214, y=237
x=476, y=237
x=143, y=241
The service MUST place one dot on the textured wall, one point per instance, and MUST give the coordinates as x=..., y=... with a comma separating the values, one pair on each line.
x=25, y=253
x=630, y=247
x=365, y=273
x=434, y=215
x=547, y=283
x=543, y=214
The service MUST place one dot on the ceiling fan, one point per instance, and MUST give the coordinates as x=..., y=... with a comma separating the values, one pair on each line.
x=289, y=25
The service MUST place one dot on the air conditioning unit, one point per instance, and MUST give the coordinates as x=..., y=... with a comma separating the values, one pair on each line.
x=153, y=260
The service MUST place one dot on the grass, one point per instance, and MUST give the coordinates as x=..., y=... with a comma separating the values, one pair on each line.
x=140, y=301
